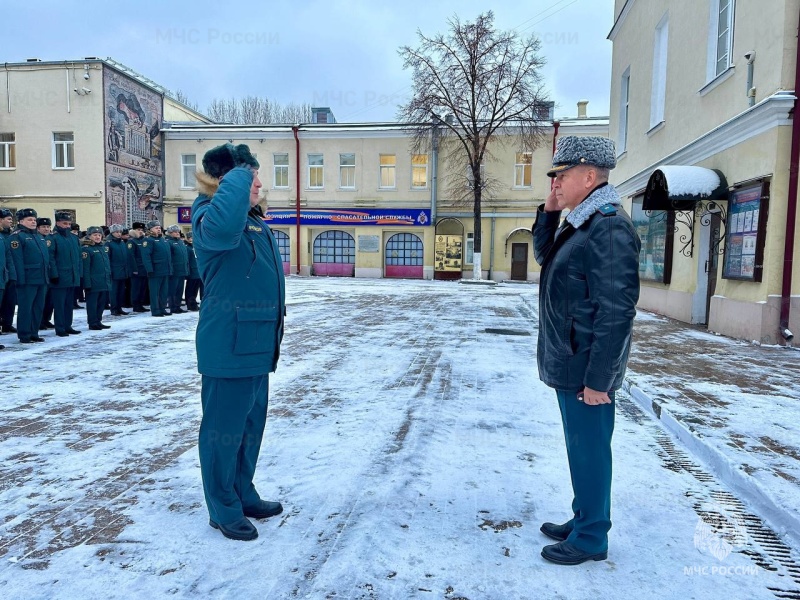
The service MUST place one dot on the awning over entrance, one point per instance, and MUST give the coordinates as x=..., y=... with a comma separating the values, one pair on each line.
x=515, y=231
x=679, y=187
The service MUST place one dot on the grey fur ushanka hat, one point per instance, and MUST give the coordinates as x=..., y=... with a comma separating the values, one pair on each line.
x=574, y=150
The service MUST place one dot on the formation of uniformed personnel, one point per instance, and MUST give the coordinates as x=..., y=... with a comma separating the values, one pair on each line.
x=96, y=278
x=66, y=268
x=31, y=256
x=194, y=284
x=180, y=268
x=121, y=270
x=157, y=259
x=9, y=302
x=7, y=272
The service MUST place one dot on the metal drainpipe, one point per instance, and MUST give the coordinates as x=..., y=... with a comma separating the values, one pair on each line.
x=555, y=135
x=295, y=129
x=434, y=169
x=791, y=212
x=491, y=249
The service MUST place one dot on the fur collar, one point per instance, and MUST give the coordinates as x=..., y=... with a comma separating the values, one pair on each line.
x=206, y=184
x=601, y=196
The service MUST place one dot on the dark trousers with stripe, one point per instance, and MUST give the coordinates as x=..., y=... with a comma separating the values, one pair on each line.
x=117, y=294
x=158, y=295
x=30, y=300
x=192, y=289
x=63, y=300
x=138, y=291
x=95, y=305
x=175, y=292
x=587, y=431
x=8, y=305
x=234, y=416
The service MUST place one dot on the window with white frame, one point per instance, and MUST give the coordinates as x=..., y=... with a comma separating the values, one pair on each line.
x=522, y=169
x=469, y=250
x=347, y=171
x=280, y=170
x=659, y=89
x=8, y=153
x=624, y=101
x=63, y=150
x=388, y=166
x=188, y=170
x=315, y=171
x=419, y=171
x=720, y=37
x=471, y=179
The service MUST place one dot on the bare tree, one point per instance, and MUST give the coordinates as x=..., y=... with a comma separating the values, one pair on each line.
x=255, y=110
x=183, y=98
x=475, y=86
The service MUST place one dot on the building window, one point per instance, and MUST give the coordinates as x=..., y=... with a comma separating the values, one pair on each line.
x=283, y=244
x=656, y=229
x=335, y=247
x=471, y=179
x=720, y=37
x=280, y=170
x=522, y=169
x=404, y=250
x=188, y=170
x=8, y=153
x=347, y=171
x=388, y=163
x=419, y=171
x=659, y=90
x=469, y=250
x=624, y=97
x=315, y=171
x=63, y=150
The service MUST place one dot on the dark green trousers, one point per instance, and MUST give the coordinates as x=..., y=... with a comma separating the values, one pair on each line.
x=588, y=431
x=234, y=415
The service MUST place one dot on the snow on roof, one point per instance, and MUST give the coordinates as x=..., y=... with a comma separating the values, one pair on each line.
x=690, y=181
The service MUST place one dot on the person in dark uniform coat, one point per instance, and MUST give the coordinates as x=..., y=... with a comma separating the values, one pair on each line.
x=118, y=255
x=96, y=277
x=79, y=296
x=31, y=262
x=193, y=282
x=7, y=271
x=589, y=286
x=66, y=267
x=44, y=227
x=239, y=333
x=180, y=268
x=139, y=293
x=157, y=259
x=9, y=302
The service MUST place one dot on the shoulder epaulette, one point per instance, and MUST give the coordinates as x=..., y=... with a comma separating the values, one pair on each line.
x=607, y=210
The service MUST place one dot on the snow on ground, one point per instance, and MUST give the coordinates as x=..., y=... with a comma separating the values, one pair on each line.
x=416, y=455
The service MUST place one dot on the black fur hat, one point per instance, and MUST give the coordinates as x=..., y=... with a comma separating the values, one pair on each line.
x=43, y=221
x=24, y=213
x=138, y=225
x=4, y=212
x=222, y=159
x=63, y=216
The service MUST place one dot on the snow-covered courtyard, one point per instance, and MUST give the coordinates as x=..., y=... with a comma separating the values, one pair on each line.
x=413, y=447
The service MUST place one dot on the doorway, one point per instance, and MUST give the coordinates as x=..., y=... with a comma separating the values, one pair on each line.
x=519, y=262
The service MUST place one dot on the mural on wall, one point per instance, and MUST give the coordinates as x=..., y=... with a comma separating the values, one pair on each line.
x=134, y=160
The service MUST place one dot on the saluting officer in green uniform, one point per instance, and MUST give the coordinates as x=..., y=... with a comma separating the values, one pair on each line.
x=96, y=277
x=157, y=260
x=588, y=289
x=31, y=262
x=239, y=332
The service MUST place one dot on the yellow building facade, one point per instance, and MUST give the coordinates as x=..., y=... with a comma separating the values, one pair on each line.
x=710, y=84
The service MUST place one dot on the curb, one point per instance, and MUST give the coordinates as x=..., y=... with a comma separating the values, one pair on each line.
x=751, y=491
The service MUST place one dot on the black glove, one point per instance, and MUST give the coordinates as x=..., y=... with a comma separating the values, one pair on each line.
x=54, y=280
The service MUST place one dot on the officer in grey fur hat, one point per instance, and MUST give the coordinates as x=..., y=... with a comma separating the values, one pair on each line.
x=589, y=286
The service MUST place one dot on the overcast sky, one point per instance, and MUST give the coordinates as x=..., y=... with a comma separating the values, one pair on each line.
x=337, y=53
